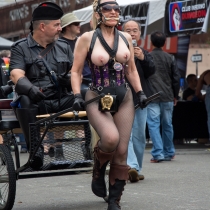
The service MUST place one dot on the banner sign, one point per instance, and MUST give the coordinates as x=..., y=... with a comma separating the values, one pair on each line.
x=185, y=16
x=137, y=12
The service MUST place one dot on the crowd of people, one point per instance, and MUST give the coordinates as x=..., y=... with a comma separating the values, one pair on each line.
x=53, y=66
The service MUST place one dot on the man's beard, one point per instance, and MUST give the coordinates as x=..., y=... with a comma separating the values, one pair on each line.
x=56, y=37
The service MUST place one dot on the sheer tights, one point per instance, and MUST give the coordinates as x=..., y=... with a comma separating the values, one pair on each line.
x=114, y=131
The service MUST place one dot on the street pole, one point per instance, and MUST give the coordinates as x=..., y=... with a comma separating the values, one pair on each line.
x=196, y=63
x=197, y=69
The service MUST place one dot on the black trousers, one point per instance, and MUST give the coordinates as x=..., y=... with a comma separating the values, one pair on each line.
x=28, y=110
x=47, y=106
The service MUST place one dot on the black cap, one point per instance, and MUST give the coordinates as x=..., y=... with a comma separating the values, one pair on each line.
x=47, y=11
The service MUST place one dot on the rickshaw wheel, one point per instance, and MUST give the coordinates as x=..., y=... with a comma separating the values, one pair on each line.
x=7, y=179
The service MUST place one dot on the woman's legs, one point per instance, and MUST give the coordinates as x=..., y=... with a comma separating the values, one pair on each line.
x=118, y=174
x=123, y=120
x=114, y=131
x=104, y=125
x=114, y=135
x=104, y=150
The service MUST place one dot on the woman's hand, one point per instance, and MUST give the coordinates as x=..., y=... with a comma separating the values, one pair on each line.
x=78, y=104
x=141, y=98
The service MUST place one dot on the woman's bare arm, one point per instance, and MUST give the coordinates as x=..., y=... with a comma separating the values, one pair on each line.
x=80, y=54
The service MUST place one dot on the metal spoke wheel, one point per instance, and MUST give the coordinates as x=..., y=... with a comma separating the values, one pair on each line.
x=107, y=182
x=7, y=179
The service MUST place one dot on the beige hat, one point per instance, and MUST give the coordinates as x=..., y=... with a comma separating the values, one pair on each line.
x=69, y=18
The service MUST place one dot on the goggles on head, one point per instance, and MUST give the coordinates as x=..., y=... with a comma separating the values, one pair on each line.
x=109, y=8
x=105, y=7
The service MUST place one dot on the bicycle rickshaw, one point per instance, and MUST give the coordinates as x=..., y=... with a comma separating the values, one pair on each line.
x=69, y=128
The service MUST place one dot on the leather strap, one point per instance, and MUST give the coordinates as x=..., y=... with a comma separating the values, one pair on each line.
x=50, y=71
x=124, y=39
x=47, y=49
x=111, y=52
x=95, y=37
x=92, y=42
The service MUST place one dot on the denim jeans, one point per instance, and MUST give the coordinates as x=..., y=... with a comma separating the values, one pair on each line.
x=207, y=103
x=22, y=140
x=137, y=141
x=159, y=116
x=84, y=86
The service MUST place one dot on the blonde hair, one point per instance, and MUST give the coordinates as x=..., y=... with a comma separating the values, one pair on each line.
x=94, y=19
x=95, y=4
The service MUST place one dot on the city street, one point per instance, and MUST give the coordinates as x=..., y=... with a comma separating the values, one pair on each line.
x=181, y=184
x=56, y=55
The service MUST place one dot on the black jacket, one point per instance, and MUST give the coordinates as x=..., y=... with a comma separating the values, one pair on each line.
x=24, y=55
x=167, y=77
x=145, y=69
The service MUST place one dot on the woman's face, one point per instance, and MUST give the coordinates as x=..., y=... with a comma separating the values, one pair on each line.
x=110, y=12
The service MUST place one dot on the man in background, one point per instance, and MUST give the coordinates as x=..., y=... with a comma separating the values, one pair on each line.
x=189, y=92
x=204, y=79
x=145, y=67
x=160, y=111
x=70, y=30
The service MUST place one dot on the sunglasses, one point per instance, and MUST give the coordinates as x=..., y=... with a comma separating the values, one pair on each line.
x=75, y=24
x=109, y=8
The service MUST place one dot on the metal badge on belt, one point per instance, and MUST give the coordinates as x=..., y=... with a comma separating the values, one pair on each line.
x=108, y=103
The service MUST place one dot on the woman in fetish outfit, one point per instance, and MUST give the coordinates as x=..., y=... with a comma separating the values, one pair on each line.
x=111, y=58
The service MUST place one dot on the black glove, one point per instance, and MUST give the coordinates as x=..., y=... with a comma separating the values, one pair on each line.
x=25, y=87
x=64, y=81
x=35, y=94
x=78, y=104
x=141, y=98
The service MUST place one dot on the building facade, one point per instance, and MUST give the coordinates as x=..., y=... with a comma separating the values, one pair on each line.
x=16, y=17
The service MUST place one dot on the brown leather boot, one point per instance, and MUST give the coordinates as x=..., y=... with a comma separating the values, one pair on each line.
x=101, y=159
x=118, y=176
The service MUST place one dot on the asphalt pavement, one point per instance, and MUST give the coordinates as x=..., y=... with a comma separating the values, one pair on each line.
x=180, y=184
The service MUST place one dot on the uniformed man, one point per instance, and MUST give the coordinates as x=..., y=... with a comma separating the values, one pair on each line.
x=38, y=68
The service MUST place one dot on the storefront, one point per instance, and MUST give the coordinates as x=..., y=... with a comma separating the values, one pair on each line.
x=16, y=17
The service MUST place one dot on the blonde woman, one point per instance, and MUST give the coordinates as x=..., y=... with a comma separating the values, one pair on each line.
x=111, y=58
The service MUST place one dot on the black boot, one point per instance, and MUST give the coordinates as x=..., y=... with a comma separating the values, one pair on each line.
x=60, y=161
x=118, y=176
x=115, y=192
x=101, y=159
x=59, y=153
x=26, y=116
x=37, y=161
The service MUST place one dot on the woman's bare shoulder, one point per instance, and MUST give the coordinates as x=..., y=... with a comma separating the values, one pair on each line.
x=86, y=36
x=83, y=42
x=126, y=35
